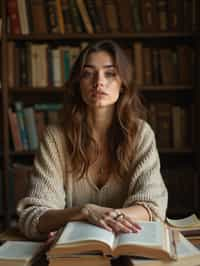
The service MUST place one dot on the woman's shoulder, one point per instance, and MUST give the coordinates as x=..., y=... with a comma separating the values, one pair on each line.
x=54, y=134
x=54, y=130
x=144, y=128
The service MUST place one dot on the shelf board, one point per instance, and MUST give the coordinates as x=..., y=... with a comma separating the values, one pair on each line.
x=28, y=89
x=172, y=87
x=96, y=36
x=162, y=151
x=171, y=151
x=145, y=88
x=22, y=153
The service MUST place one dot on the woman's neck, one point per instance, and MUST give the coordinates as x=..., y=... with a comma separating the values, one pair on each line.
x=100, y=121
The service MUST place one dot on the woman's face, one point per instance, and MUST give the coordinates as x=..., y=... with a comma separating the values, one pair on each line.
x=100, y=82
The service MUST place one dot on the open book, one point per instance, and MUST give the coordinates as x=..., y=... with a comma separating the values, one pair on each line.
x=155, y=240
x=20, y=253
x=189, y=226
x=187, y=255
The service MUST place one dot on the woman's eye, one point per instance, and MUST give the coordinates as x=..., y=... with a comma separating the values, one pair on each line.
x=110, y=74
x=87, y=74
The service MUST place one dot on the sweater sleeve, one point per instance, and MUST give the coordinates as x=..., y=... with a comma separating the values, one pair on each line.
x=46, y=188
x=147, y=187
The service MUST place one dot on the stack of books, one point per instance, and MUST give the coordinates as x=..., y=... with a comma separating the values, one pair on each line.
x=80, y=243
x=187, y=255
x=188, y=226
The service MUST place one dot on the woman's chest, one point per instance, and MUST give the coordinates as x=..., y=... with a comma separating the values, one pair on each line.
x=112, y=194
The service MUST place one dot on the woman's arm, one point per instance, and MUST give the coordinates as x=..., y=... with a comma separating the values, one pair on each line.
x=147, y=195
x=46, y=189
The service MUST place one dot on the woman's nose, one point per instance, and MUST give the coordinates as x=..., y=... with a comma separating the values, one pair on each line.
x=98, y=80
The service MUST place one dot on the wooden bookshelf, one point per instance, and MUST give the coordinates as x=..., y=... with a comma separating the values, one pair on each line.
x=182, y=94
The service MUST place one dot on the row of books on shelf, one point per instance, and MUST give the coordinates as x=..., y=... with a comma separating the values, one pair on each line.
x=172, y=124
x=27, y=124
x=96, y=16
x=165, y=65
x=40, y=65
x=43, y=65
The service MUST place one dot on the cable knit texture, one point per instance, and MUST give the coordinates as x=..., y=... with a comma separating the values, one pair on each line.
x=53, y=187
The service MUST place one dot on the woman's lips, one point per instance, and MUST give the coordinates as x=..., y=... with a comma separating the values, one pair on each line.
x=98, y=93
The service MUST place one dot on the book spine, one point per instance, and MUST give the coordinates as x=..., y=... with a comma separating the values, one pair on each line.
x=67, y=16
x=60, y=16
x=38, y=15
x=85, y=16
x=30, y=124
x=21, y=123
x=15, y=131
x=14, y=16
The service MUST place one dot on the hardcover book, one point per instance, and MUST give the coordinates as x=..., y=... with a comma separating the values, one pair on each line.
x=155, y=240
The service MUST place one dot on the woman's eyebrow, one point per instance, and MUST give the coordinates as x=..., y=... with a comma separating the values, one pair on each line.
x=105, y=66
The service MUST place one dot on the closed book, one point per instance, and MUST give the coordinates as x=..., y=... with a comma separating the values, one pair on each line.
x=23, y=16
x=19, y=109
x=162, y=11
x=60, y=16
x=52, y=16
x=30, y=124
x=111, y=15
x=11, y=64
x=15, y=130
x=185, y=64
x=40, y=123
x=148, y=10
x=66, y=16
x=94, y=15
x=136, y=14
x=102, y=15
x=173, y=15
x=167, y=66
x=81, y=4
x=14, y=17
x=124, y=10
x=187, y=15
x=76, y=17
x=164, y=125
x=147, y=62
x=138, y=61
x=81, y=259
x=38, y=15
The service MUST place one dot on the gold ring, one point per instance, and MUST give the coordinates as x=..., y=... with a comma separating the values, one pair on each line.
x=119, y=216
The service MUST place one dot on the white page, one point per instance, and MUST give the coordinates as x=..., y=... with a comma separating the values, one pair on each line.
x=189, y=221
x=151, y=234
x=185, y=248
x=20, y=250
x=80, y=231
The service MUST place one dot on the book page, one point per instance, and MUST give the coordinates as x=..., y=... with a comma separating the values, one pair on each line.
x=80, y=231
x=150, y=235
x=20, y=250
x=189, y=221
x=185, y=248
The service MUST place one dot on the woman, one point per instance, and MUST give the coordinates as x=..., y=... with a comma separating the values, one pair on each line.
x=101, y=165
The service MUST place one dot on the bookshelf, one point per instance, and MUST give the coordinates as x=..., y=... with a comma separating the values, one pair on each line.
x=178, y=44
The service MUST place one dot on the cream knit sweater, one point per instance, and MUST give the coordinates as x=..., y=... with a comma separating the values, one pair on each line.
x=53, y=187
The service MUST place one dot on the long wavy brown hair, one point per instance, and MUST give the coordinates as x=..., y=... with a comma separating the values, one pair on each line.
x=122, y=132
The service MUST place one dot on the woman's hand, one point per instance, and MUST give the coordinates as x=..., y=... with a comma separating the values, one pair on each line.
x=110, y=219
